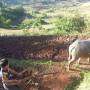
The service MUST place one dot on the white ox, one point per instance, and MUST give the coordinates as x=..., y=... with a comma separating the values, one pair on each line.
x=78, y=49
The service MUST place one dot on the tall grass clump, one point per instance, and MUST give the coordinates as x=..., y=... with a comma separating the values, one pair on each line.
x=85, y=84
x=66, y=25
x=75, y=82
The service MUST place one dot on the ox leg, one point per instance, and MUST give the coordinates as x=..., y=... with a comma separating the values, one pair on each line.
x=78, y=62
x=70, y=63
x=72, y=58
x=68, y=67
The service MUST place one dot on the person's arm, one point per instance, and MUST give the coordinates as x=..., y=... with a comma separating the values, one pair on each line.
x=13, y=71
x=16, y=73
x=12, y=82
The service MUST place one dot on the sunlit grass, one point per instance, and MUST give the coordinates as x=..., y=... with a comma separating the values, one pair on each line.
x=85, y=84
x=10, y=32
x=32, y=63
x=28, y=63
x=51, y=15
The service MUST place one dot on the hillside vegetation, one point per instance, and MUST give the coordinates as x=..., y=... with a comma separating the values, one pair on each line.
x=53, y=20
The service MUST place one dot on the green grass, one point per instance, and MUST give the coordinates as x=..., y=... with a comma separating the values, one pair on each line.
x=85, y=84
x=49, y=16
x=28, y=63
x=75, y=82
x=42, y=65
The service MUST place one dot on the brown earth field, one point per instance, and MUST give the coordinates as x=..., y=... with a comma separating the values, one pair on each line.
x=54, y=77
x=36, y=47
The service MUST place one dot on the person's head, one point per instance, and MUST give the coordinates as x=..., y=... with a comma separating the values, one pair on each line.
x=4, y=64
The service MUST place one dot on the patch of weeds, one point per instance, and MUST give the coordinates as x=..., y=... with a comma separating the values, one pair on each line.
x=85, y=84
x=29, y=63
x=75, y=82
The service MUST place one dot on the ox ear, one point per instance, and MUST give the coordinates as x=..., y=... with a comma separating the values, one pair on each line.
x=68, y=39
x=74, y=38
x=71, y=39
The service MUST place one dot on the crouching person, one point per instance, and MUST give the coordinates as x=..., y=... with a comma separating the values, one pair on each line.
x=8, y=83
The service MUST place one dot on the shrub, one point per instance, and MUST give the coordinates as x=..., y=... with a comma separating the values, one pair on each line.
x=34, y=23
x=6, y=23
x=70, y=24
x=26, y=24
x=38, y=22
x=10, y=17
x=13, y=14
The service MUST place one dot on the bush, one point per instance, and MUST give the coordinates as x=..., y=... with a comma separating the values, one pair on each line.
x=26, y=24
x=13, y=14
x=37, y=22
x=5, y=22
x=70, y=24
x=34, y=23
x=11, y=17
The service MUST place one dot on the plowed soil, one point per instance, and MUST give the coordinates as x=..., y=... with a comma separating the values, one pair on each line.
x=43, y=47
x=53, y=78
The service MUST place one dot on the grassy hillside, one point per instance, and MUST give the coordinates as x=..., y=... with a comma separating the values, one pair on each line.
x=47, y=21
x=40, y=20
